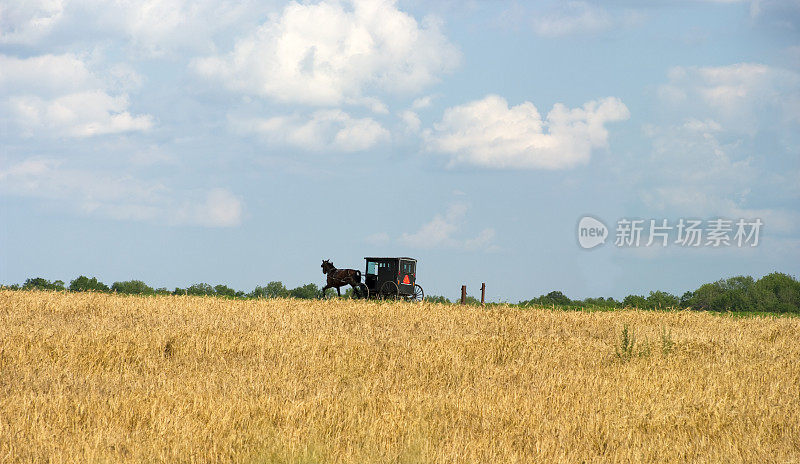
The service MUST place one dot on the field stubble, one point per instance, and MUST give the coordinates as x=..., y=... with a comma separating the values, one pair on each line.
x=104, y=378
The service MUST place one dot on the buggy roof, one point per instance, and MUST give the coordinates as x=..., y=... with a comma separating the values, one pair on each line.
x=389, y=259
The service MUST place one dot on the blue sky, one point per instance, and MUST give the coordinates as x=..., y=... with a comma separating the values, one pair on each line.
x=179, y=142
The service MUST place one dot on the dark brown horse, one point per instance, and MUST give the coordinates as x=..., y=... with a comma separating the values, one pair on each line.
x=339, y=277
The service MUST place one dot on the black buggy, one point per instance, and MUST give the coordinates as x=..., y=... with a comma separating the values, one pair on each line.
x=390, y=278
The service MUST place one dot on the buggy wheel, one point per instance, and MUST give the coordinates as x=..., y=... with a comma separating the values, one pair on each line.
x=361, y=291
x=417, y=294
x=389, y=291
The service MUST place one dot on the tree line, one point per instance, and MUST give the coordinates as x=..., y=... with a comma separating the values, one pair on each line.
x=773, y=293
x=138, y=287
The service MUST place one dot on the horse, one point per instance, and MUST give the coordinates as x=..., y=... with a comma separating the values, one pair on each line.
x=339, y=277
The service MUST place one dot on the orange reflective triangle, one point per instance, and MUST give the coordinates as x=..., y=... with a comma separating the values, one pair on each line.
x=405, y=280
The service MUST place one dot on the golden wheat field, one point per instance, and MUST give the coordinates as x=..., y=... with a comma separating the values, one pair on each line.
x=103, y=378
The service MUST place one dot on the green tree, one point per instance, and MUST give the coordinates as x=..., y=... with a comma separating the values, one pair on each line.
x=635, y=301
x=200, y=289
x=224, y=290
x=777, y=292
x=708, y=297
x=86, y=284
x=601, y=302
x=661, y=300
x=307, y=291
x=739, y=294
x=686, y=299
x=734, y=294
x=437, y=299
x=132, y=287
x=555, y=297
x=273, y=289
x=472, y=301
x=39, y=283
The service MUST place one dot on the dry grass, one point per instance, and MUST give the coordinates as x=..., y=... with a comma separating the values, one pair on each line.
x=100, y=378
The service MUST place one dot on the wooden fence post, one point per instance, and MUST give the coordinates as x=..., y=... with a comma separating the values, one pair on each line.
x=463, y=294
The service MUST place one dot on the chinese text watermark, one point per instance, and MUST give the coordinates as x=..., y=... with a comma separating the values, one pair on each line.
x=686, y=233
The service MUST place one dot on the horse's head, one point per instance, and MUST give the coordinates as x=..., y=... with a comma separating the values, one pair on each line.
x=326, y=266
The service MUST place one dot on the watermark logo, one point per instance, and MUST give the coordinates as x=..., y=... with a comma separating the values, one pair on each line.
x=591, y=232
x=685, y=233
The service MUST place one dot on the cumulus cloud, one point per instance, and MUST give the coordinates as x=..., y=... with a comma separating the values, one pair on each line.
x=411, y=121
x=706, y=177
x=489, y=133
x=736, y=93
x=47, y=75
x=219, y=208
x=57, y=94
x=422, y=102
x=708, y=165
x=777, y=15
x=323, y=130
x=441, y=231
x=332, y=52
x=152, y=24
x=25, y=22
x=149, y=27
x=119, y=196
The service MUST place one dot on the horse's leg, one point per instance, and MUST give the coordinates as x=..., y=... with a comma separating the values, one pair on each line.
x=326, y=287
x=338, y=291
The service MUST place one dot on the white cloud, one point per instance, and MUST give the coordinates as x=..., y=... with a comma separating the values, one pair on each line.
x=777, y=15
x=332, y=52
x=57, y=94
x=77, y=115
x=573, y=17
x=46, y=75
x=422, y=102
x=323, y=130
x=440, y=232
x=119, y=196
x=582, y=18
x=149, y=27
x=410, y=120
x=151, y=24
x=25, y=22
x=735, y=94
x=709, y=165
x=698, y=176
x=220, y=209
x=488, y=133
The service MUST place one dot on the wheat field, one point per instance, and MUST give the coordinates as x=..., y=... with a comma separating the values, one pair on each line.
x=103, y=378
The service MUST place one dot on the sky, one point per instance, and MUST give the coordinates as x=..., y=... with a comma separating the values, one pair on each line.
x=241, y=142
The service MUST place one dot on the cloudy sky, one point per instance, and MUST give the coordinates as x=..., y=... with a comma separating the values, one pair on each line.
x=240, y=142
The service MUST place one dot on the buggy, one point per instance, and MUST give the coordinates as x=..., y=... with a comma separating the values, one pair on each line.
x=390, y=278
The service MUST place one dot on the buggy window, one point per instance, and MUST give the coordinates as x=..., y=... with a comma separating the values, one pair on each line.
x=407, y=267
x=372, y=267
